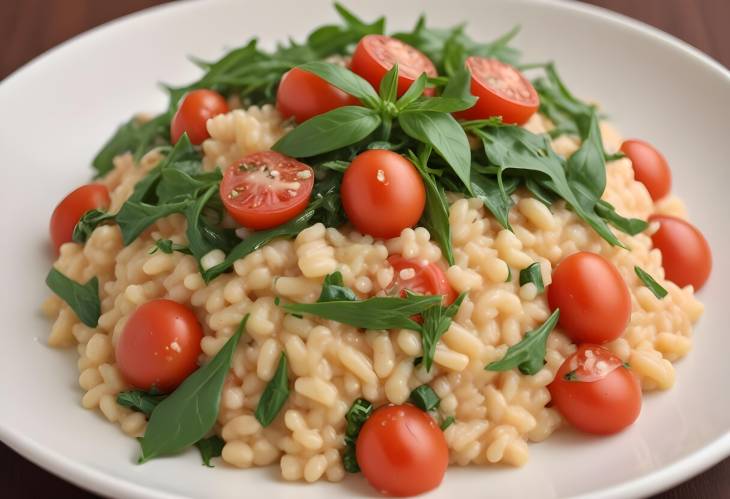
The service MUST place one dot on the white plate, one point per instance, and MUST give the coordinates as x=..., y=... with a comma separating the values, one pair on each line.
x=59, y=109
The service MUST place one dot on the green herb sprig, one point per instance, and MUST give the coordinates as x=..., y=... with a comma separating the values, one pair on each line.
x=657, y=289
x=359, y=412
x=275, y=394
x=82, y=298
x=529, y=354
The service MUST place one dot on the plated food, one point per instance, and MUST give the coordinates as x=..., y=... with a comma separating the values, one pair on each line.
x=401, y=243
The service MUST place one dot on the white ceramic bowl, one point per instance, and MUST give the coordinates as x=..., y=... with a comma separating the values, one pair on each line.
x=59, y=109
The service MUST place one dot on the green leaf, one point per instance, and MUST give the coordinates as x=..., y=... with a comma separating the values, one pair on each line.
x=436, y=321
x=82, y=298
x=327, y=132
x=209, y=448
x=275, y=394
x=389, y=85
x=414, y=92
x=334, y=289
x=529, y=354
x=447, y=422
x=345, y=80
x=189, y=412
x=88, y=222
x=532, y=274
x=168, y=246
x=198, y=244
x=140, y=401
x=424, y=398
x=650, y=283
x=489, y=193
x=444, y=133
x=459, y=87
x=440, y=104
x=631, y=226
x=379, y=312
x=133, y=218
x=539, y=191
x=359, y=412
x=586, y=167
x=176, y=185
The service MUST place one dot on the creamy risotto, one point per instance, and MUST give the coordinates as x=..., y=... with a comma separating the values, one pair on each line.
x=316, y=368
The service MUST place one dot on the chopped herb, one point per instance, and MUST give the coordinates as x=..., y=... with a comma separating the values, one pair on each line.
x=334, y=289
x=571, y=376
x=140, y=401
x=417, y=361
x=424, y=398
x=275, y=394
x=82, y=298
x=532, y=274
x=359, y=412
x=650, y=283
x=447, y=422
x=209, y=448
x=529, y=354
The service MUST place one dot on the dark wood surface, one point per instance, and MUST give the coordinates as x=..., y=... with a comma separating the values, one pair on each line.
x=30, y=27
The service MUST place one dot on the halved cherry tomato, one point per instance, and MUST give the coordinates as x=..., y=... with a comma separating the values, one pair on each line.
x=650, y=167
x=375, y=55
x=266, y=189
x=594, y=301
x=595, y=391
x=305, y=95
x=402, y=451
x=196, y=108
x=159, y=345
x=68, y=212
x=501, y=90
x=686, y=256
x=382, y=193
x=420, y=277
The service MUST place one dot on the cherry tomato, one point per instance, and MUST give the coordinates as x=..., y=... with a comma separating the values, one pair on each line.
x=304, y=95
x=686, y=256
x=72, y=208
x=401, y=451
x=595, y=392
x=196, y=108
x=159, y=345
x=650, y=167
x=382, y=193
x=375, y=55
x=421, y=277
x=501, y=90
x=594, y=301
x=266, y=189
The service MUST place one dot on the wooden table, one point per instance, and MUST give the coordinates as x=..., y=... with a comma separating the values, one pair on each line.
x=30, y=27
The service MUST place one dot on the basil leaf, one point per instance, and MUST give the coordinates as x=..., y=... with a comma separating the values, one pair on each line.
x=631, y=226
x=586, y=167
x=82, y=298
x=345, y=80
x=133, y=218
x=540, y=192
x=197, y=242
x=447, y=422
x=334, y=289
x=650, y=283
x=459, y=86
x=88, y=222
x=379, y=312
x=534, y=275
x=140, y=401
x=414, y=92
x=209, y=448
x=327, y=132
x=440, y=104
x=436, y=321
x=189, y=412
x=444, y=133
x=176, y=185
x=389, y=85
x=359, y=412
x=275, y=394
x=424, y=398
x=529, y=354
x=489, y=193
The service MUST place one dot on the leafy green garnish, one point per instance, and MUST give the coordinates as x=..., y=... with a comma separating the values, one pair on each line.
x=529, y=354
x=356, y=416
x=168, y=246
x=275, y=394
x=209, y=448
x=189, y=412
x=424, y=398
x=534, y=275
x=82, y=298
x=436, y=321
x=447, y=422
x=656, y=288
x=140, y=401
x=334, y=289
x=88, y=222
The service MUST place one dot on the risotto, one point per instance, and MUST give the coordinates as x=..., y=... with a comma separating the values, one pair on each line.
x=362, y=273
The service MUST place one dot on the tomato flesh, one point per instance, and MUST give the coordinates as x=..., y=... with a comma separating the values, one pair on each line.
x=594, y=301
x=650, y=167
x=159, y=346
x=70, y=210
x=686, y=255
x=304, y=95
x=382, y=193
x=420, y=277
x=375, y=55
x=601, y=395
x=401, y=451
x=266, y=189
x=501, y=90
x=193, y=113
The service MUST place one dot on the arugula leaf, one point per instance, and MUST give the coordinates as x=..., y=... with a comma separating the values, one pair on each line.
x=489, y=193
x=327, y=132
x=389, y=85
x=447, y=422
x=540, y=191
x=168, y=246
x=133, y=218
x=631, y=226
x=534, y=275
x=140, y=401
x=440, y=104
x=334, y=289
x=88, y=222
x=345, y=80
x=336, y=39
x=424, y=398
x=529, y=354
x=82, y=298
x=656, y=288
x=189, y=412
x=275, y=394
x=436, y=321
x=198, y=244
x=359, y=412
x=209, y=448
x=176, y=185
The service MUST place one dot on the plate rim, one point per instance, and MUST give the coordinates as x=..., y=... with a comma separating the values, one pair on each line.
x=100, y=482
